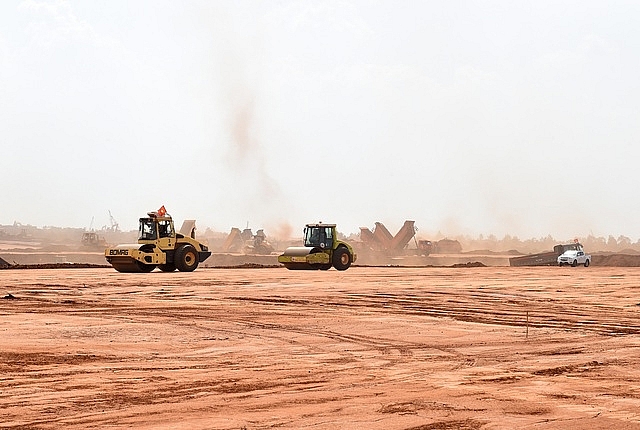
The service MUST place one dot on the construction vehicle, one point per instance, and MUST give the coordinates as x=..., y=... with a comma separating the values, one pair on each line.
x=259, y=244
x=246, y=242
x=425, y=247
x=93, y=239
x=380, y=239
x=544, y=258
x=159, y=245
x=322, y=249
x=574, y=257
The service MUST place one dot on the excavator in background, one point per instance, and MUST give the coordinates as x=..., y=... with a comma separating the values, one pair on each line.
x=259, y=245
x=246, y=242
x=159, y=245
x=322, y=249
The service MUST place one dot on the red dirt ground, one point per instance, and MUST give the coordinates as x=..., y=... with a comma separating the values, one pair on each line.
x=369, y=348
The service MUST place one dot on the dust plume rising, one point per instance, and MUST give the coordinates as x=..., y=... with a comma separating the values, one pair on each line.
x=248, y=161
x=240, y=131
x=251, y=191
x=281, y=231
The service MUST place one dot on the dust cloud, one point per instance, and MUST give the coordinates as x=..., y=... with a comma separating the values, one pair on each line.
x=253, y=195
x=282, y=231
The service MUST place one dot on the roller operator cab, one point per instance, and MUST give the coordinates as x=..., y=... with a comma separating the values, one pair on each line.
x=322, y=249
x=159, y=245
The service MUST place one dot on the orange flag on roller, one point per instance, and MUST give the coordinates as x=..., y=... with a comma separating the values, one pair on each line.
x=162, y=211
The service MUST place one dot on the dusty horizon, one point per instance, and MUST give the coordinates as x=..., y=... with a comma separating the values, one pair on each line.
x=285, y=233
x=469, y=118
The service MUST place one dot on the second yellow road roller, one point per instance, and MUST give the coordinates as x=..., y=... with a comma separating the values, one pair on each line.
x=321, y=250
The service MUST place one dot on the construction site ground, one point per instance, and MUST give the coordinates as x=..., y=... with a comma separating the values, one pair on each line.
x=368, y=348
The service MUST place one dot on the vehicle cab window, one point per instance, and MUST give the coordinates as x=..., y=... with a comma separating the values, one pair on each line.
x=328, y=237
x=312, y=237
x=147, y=230
x=165, y=229
x=319, y=236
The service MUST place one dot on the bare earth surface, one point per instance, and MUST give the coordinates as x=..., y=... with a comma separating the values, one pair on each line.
x=369, y=348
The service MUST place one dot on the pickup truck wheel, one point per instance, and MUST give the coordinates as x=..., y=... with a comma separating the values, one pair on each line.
x=186, y=258
x=560, y=264
x=586, y=263
x=575, y=263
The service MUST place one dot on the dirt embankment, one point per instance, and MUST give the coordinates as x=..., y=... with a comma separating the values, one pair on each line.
x=616, y=260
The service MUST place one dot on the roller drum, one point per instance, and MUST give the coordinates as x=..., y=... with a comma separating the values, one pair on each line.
x=295, y=258
x=297, y=251
x=129, y=265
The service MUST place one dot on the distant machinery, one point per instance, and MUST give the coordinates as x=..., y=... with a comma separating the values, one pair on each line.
x=380, y=239
x=246, y=242
x=115, y=227
x=93, y=239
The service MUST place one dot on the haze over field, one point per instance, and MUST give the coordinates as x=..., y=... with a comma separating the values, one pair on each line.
x=467, y=117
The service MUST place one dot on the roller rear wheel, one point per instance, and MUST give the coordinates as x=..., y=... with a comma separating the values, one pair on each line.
x=186, y=258
x=341, y=259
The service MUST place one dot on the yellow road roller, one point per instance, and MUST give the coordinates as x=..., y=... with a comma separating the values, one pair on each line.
x=159, y=245
x=322, y=249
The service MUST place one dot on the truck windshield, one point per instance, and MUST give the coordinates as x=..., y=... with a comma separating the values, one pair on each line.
x=147, y=229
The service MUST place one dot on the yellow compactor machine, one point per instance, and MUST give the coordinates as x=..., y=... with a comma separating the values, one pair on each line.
x=322, y=249
x=159, y=245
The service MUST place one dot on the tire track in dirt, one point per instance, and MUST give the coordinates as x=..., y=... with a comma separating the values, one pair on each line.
x=488, y=309
x=501, y=310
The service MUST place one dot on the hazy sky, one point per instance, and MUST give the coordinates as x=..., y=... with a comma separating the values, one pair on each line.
x=471, y=117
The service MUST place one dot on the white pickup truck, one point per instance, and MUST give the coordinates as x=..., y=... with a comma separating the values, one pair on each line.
x=574, y=256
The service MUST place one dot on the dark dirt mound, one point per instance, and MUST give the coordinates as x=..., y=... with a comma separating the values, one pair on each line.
x=617, y=260
x=470, y=264
x=249, y=266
